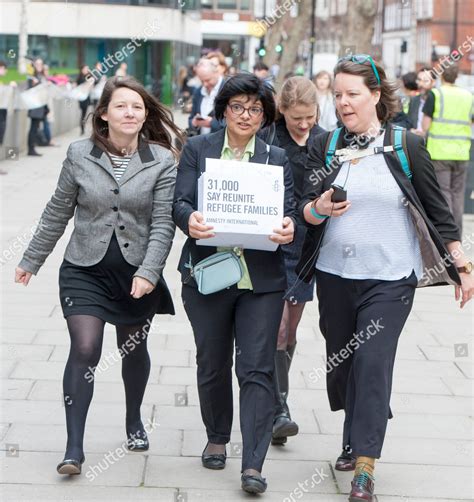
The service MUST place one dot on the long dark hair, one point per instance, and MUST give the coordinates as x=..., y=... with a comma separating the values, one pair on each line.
x=388, y=105
x=158, y=124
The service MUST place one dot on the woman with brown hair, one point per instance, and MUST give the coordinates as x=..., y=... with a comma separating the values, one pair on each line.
x=370, y=252
x=295, y=131
x=323, y=82
x=119, y=185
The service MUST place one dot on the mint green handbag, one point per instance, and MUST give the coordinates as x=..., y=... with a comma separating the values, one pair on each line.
x=217, y=272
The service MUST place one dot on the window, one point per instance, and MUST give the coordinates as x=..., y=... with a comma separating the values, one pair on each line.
x=423, y=45
x=227, y=4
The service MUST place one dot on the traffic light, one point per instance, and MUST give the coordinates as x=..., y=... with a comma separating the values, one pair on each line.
x=278, y=48
x=261, y=51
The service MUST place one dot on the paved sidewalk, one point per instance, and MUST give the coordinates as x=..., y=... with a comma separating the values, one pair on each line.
x=428, y=450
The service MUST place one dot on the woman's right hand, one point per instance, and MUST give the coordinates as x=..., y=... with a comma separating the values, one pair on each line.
x=197, y=228
x=22, y=276
x=325, y=207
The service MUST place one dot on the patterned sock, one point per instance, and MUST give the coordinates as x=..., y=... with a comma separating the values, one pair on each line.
x=365, y=464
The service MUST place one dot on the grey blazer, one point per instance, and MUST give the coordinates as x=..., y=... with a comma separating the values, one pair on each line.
x=137, y=208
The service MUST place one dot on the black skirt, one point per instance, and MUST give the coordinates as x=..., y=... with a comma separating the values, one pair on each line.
x=103, y=290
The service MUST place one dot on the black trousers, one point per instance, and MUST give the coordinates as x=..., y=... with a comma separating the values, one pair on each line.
x=361, y=321
x=3, y=123
x=253, y=320
x=33, y=134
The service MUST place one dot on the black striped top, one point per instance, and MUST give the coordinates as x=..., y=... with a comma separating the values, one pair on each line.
x=119, y=164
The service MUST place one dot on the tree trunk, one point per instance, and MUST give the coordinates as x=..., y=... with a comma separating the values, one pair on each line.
x=296, y=30
x=356, y=37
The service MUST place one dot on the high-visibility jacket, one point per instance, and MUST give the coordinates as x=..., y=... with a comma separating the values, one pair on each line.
x=449, y=137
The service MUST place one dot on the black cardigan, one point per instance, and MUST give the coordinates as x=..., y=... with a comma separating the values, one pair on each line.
x=266, y=268
x=422, y=192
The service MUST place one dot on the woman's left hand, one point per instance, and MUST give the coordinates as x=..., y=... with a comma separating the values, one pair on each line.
x=140, y=287
x=284, y=235
x=466, y=291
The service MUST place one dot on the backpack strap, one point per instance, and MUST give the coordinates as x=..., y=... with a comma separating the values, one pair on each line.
x=399, y=141
x=331, y=145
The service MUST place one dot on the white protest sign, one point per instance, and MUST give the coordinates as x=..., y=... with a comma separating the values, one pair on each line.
x=243, y=201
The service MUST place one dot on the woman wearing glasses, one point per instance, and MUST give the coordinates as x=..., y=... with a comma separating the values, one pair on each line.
x=249, y=311
x=369, y=253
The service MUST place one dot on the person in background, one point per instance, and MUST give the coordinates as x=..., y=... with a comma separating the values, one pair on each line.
x=327, y=109
x=99, y=83
x=410, y=89
x=38, y=114
x=122, y=70
x=83, y=77
x=47, y=118
x=219, y=60
x=262, y=71
x=4, y=111
x=447, y=117
x=425, y=81
x=202, y=114
x=295, y=133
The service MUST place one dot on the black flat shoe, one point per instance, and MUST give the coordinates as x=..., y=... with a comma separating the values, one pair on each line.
x=215, y=461
x=70, y=466
x=345, y=462
x=137, y=443
x=252, y=483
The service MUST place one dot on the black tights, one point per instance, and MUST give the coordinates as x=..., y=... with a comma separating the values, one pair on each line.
x=87, y=333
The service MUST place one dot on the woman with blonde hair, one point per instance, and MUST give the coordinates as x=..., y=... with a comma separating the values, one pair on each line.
x=294, y=132
x=323, y=82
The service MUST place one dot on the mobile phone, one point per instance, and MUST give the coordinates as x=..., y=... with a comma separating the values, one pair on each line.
x=339, y=195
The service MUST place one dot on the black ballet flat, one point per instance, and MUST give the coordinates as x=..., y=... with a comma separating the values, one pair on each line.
x=70, y=466
x=252, y=483
x=135, y=443
x=215, y=461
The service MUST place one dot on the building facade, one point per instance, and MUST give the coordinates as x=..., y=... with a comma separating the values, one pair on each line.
x=154, y=37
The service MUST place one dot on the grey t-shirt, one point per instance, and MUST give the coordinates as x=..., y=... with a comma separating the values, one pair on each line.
x=375, y=238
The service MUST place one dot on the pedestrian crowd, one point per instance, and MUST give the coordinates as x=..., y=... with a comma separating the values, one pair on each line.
x=368, y=207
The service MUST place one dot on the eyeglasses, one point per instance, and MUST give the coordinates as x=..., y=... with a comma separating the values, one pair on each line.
x=254, y=111
x=362, y=59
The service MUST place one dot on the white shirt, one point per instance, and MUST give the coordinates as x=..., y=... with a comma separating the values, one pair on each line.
x=207, y=103
x=376, y=237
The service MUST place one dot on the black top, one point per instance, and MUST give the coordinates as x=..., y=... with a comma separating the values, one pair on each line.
x=422, y=191
x=297, y=154
x=429, y=106
x=266, y=268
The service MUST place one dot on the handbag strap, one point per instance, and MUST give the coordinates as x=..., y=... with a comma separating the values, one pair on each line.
x=268, y=150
